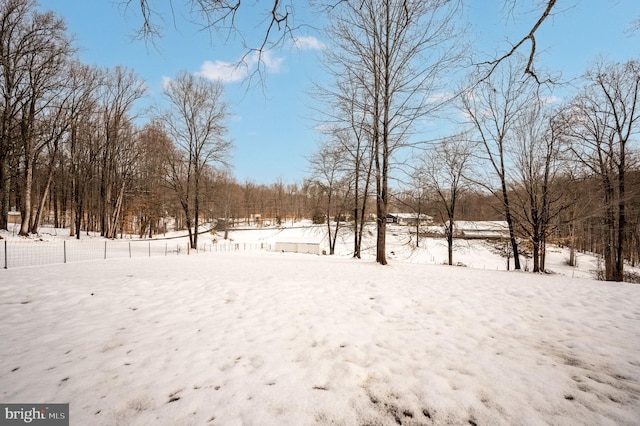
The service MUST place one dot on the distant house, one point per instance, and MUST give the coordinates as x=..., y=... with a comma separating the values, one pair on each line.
x=491, y=229
x=409, y=219
x=392, y=218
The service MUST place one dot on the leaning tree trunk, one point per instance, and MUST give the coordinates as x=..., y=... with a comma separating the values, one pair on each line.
x=35, y=224
x=113, y=227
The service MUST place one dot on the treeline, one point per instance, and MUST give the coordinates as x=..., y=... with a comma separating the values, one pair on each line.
x=74, y=155
x=556, y=172
x=72, y=150
x=68, y=144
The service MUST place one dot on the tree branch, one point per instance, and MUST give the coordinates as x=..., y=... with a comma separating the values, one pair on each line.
x=531, y=37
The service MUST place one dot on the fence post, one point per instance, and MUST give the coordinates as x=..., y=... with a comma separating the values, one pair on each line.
x=5, y=255
x=64, y=250
x=105, y=249
x=149, y=249
x=129, y=249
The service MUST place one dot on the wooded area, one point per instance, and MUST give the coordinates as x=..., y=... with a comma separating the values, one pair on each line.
x=74, y=152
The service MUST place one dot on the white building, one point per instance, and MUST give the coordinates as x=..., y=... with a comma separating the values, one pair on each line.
x=480, y=229
x=409, y=219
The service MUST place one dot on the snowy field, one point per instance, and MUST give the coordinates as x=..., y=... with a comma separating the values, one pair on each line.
x=266, y=338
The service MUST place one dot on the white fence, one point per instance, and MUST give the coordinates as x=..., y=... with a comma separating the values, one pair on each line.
x=21, y=253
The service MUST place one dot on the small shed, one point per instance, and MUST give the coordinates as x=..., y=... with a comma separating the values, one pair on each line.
x=302, y=240
x=298, y=247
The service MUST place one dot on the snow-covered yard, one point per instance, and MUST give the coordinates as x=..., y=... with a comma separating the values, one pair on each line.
x=264, y=338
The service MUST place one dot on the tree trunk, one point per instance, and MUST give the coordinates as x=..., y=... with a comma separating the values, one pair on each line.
x=381, y=211
x=26, y=204
x=363, y=210
x=5, y=188
x=450, y=240
x=35, y=225
x=543, y=253
x=381, y=242
x=509, y=219
x=196, y=224
x=332, y=247
x=356, y=252
x=619, y=271
x=113, y=226
x=536, y=254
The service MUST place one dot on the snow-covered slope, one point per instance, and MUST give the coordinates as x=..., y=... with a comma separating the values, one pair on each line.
x=262, y=338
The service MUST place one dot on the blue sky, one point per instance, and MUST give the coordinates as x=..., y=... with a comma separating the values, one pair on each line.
x=272, y=123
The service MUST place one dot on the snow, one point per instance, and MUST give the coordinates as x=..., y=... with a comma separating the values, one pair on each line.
x=267, y=338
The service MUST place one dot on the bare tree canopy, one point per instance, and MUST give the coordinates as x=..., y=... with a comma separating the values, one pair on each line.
x=276, y=20
x=601, y=124
x=196, y=120
x=394, y=55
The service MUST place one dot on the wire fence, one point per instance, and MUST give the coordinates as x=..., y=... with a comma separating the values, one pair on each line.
x=22, y=253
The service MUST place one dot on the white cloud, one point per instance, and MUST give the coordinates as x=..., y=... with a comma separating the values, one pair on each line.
x=551, y=100
x=271, y=63
x=308, y=43
x=440, y=97
x=227, y=72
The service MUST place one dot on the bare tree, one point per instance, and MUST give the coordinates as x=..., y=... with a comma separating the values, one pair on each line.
x=493, y=108
x=537, y=161
x=53, y=124
x=119, y=90
x=83, y=82
x=33, y=49
x=277, y=19
x=443, y=170
x=417, y=198
x=148, y=180
x=396, y=51
x=348, y=118
x=44, y=49
x=196, y=120
x=225, y=199
x=332, y=176
x=602, y=121
x=14, y=21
